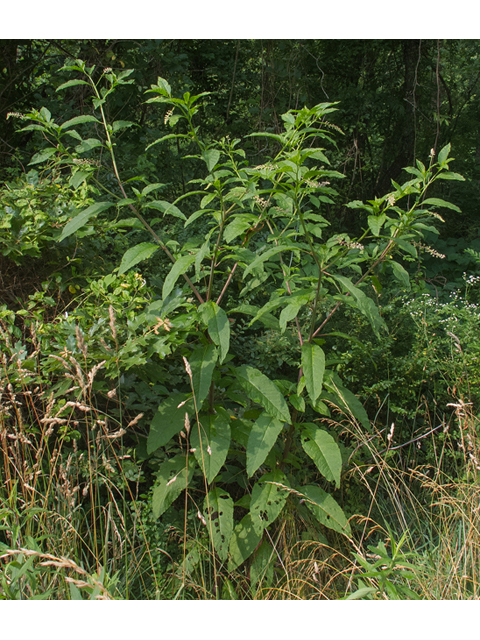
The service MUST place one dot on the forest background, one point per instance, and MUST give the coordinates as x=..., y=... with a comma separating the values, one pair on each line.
x=322, y=465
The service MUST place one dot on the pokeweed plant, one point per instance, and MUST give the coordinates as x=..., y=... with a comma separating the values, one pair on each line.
x=265, y=231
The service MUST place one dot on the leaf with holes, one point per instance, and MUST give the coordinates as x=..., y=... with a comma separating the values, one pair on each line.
x=263, y=435
x=171, y=481
x=325, y=508
x=243, y=543
x=212, y=443
x=262, y=390
x=324, y=451
x=267, y=500
x=218, y=511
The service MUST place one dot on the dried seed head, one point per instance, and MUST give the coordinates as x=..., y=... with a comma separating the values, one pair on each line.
x=187, y=366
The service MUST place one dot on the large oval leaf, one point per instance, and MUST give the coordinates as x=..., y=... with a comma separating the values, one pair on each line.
x=313, y=364
x=263, y=435
x=243, y=543
x=178, y=269
x=82, y=218
x=218, y=326
x=327, y=511
x=169, y=420
x=210, y=440
x=171, y=481
x=202, y=362
x=218, y=510
x=268, y=500
x=262, y=390
x=324, y=451
x=136, y=254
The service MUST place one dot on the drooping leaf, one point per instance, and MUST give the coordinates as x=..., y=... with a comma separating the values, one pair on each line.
x=79, y=120
x=211, y=157
x=313, y=364
x=268, y=500
x=326, y=509
x=218, y=326
x=171, y=481
x=210, y=440
x=43, y=155
x=438, y=202
x=262, y=390
x=363, y=303
x=202, y=362
x=218, y=512
x=400, y=274
x=348, y=401
x=82, y=218
x=168, y=420
x=324, y=451
x=166, y=207
x=178, y=269
x=263, y=435
x=243, y=542
x=136, y=254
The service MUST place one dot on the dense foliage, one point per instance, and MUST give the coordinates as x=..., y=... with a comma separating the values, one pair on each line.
x=228, y=307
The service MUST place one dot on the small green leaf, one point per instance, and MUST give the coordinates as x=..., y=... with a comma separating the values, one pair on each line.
x=268, y=500
x=79, y=120
x=166, y=207
x=211, y=440
x=243, y=543
x=211, y=157
x=136, y=254
x=178, y=269
x=375, y=223
x=70, y=83
x=263, y=435
x=262, y=390
x=171, y=481
x=218, y=326
x=324, y=451
x=218, y=511
x=82, y=218
x=122, y=124
x=168, y=420
x=438, y=202
x=443, y=155
x=88, y=145
x=326, y=509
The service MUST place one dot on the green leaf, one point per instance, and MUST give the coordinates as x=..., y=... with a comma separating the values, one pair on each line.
x=266, y=255
x=82, y=218
x=450, y=175
x=79, y=120
x=202, y=362
x=70, y=83
x=218, y=326
x=262, y=390
x=375, y=223
x=211, y=444
x=438, y=202
x=263, y=435
x=324, y=451
x=166, y=207
x=348, y=401
x=43, y=155
x=122, y=124
x=326, y=509
x=178, y=269
x=218, y=511
x=313, y=364
x=290, y=312
x=168, y=420
x=211, y=157
x=363, y=303
x=238, y=225
x=261, y=569
x=443, y=155
x=171, y=481
x=267, y=500
x=400, y=274
x=243, y=543
x=136, y=254
x=88, y=145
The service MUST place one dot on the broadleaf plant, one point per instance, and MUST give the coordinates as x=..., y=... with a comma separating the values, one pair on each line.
x=269, y=259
